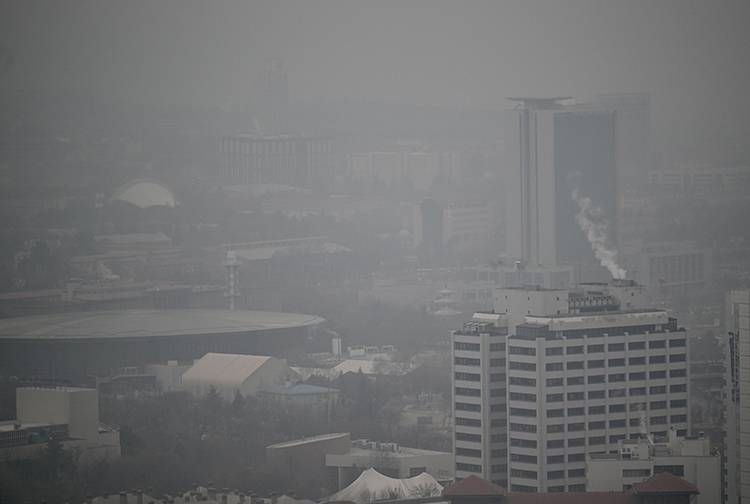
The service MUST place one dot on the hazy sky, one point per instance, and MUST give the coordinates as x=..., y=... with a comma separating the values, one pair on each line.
x=692, y=56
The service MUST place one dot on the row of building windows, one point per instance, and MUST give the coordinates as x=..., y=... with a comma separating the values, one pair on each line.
x=463, y=391
x=473, y=468
x=613, y=424
x=600, y=363
x=572, y=473
x=614, y=347
x=467, y=436
x=467, y=452
x=614, y=408
x=466, y=361
x=560, y=459
x=469, y=347
x=611, y=378
x=471, y=422
x=468, y=407
x=521, y=473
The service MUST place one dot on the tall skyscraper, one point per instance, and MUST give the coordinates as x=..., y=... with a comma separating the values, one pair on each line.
x=585, y=368
x=737, y=413
x=633, y=135
x=559, y=158
x=274, y=107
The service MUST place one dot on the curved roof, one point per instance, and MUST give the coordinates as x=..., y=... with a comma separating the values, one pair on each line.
x=145, y=194
x=148, y=323
x=372, y=485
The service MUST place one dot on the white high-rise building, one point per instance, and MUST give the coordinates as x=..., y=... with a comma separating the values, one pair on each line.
x=557, y=157
x=479, y=399
x=737, y=449
x=585, y=367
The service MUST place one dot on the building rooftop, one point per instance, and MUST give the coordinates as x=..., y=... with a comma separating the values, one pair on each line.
x=297, y=389
x=371, y=486
x=148, y=323
x=231, y=369
x=311, y=439
x=571, y=498
x=474, y=486
x=664, y=482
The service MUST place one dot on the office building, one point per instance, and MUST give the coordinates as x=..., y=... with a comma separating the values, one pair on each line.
x=584, y=372
x=479, y=399
x=639, y=459
x=736, y=472
x=668, y=267
x=291, y=160
x=633, y=155
x=560, y=165
x=585, y=368
x=458, y=228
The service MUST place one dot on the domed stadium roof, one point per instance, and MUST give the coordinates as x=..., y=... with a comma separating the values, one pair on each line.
x=145, y=194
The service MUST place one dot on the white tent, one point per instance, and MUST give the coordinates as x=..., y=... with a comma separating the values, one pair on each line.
x=230, y=373
x=372, y=486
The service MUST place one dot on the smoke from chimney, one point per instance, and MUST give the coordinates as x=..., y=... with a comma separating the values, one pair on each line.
x=592, y=222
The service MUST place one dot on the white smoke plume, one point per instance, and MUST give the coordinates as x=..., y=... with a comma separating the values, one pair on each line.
x=591, y=220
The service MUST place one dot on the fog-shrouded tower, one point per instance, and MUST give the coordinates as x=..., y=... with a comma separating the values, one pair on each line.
x=737, y=411
x=560, y=175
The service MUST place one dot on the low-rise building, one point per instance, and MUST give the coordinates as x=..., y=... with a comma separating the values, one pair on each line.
x=663, y=488
x=67, y=414
x=390, y=459
x=302, y=396
x=639, y=459
x=301, y=463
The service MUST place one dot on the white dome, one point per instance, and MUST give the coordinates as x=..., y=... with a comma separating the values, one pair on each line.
x=145, y=194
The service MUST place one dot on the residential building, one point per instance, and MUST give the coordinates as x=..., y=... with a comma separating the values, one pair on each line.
x=736, y=458
x=67, y=414
x=639, y=459
x=479, y=398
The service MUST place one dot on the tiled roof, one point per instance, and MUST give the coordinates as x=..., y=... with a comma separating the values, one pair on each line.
x=664, y=483
x=571, y=498
x=474, y=486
